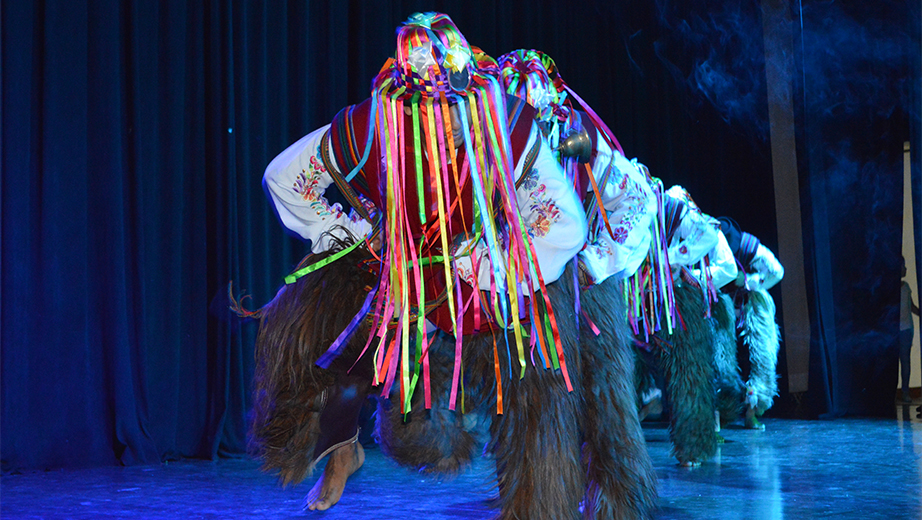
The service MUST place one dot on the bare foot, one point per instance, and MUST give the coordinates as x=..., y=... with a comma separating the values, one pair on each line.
x=344, y=461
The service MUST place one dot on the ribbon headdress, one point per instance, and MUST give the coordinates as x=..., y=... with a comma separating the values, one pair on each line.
x=433, y=77
x=533, y=75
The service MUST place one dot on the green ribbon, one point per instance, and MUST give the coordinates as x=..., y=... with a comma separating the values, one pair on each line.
x=293, y=277
x=549, y=334
x=418, y=159
x=423, y=262
x=300, y=273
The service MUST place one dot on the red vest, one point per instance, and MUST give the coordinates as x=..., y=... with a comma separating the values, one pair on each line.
x=348, y=137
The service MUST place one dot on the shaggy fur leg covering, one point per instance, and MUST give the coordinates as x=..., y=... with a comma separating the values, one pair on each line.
x=644, y=380
x=622, y=482
x=295, y=329
x=536, y=442
x=760, y=333
x=730, y=388
x=434, y=440
x=689, y=371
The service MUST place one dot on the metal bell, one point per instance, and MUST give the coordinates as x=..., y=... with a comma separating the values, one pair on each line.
x=576, y=145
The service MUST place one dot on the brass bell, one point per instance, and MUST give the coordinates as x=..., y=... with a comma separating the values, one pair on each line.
x=576, y=145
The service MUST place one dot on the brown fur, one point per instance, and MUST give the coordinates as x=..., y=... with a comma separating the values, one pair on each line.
x=296, y=328
x=622, y=483
x=688, y=367
x=434, y=440
x=553, y=448
x=761, y=334
x=536, y=442
x=730, y=388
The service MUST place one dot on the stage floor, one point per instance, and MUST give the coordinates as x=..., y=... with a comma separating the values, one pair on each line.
x=843, y=469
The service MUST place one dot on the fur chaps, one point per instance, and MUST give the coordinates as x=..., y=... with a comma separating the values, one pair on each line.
x=295, y=329
x=553, y=448
x=536, y=441
x=435, y=440
x=730, y=388
x=622, y=483
x=688, y=367
x=760, y=333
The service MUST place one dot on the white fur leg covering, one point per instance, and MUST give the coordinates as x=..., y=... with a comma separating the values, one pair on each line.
x=761, y=334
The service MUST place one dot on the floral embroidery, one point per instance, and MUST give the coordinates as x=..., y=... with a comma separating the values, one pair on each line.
x=354, y=216
x=369, y=206
x=548, y=212
x=466, y=274
x=530, y=180
x=539, y=227
x=306, y=185
x=601, y=249
x=697, y=232
x=317, y=165
x=635, y=202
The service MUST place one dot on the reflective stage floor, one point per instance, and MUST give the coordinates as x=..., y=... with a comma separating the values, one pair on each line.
x=843, y=469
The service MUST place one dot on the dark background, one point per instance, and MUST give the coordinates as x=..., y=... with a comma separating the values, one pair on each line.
x=135, y=134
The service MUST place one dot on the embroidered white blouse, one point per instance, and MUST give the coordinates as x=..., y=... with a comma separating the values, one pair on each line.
x=631, y=207
x=553, y=217
x=722, y=265
x=296, y=180
x=695, y=236
x=766, y=270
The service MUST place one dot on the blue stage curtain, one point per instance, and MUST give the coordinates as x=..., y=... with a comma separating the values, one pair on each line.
x=855, y=86
x=134, y=137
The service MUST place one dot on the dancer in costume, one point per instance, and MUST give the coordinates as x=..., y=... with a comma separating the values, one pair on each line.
x=628, y=240
x=461, y=218
x=620, y=235
x=620, y=207
x=721, y=270
x=594, y=421
x=684, y=349
x=758, y=332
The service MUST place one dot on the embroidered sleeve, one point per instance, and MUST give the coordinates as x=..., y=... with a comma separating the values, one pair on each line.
x=552, y=212
x=767, y=269
x=296, y=181
x=721, y=263
x=695, y=236
x=631, y=207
